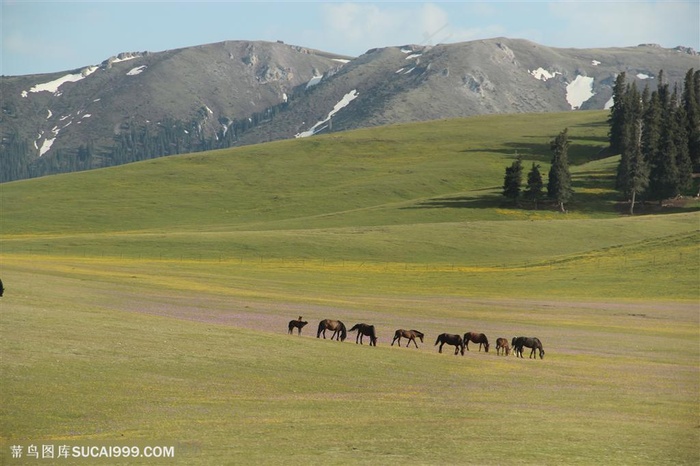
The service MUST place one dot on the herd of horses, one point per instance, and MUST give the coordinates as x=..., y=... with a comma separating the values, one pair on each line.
x=460, y=342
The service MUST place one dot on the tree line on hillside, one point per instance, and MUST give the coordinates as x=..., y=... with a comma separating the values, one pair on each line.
x=657, y=135
x=134, y=143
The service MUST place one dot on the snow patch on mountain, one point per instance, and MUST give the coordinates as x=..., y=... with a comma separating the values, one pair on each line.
x=313, y=81
x=347, y=98
x=53, y=86
x=579, y=91
x=136, y=71
x=542, y=74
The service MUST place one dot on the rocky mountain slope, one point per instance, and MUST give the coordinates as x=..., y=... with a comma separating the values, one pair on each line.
x=143, y=105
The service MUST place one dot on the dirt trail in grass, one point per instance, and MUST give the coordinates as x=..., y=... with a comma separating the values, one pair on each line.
x=269, y=316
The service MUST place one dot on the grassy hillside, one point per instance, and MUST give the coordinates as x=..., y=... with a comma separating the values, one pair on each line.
x=147, y=304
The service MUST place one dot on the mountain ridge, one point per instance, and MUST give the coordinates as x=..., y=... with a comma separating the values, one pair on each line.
x=139, y=105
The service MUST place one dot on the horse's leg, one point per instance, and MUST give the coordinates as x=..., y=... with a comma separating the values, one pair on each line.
x=440, y=349
x=412, y=340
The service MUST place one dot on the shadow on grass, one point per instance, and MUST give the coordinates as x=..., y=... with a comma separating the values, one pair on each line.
x=460, y=202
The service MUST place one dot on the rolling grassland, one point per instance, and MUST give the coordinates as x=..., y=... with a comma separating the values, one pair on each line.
x=147, y=305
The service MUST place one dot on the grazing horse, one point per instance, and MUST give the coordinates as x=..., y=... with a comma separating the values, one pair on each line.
x=2, y=289
x=409, y=334
x=298, y=324
x=362, y=330
x=534, y=343
x=502, y=344
x=451, y=339
x=479, y=338
x=339, y=331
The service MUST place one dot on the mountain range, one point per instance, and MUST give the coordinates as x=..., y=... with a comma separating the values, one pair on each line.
x=141, y=105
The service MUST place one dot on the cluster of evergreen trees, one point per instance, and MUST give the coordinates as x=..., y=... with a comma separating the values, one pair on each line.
x=558, y=181
x=657, y=135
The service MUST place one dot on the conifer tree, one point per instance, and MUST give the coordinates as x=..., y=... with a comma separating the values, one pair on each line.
x=664, y=175
x=559, y=183
x=652, y=128
x=691, y=105
x=616, y=119
x=535, y=185
x=680, y=135
x=512, y=181
x=632, y=171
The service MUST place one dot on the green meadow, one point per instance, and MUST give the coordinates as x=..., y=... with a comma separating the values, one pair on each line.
x=147, y=305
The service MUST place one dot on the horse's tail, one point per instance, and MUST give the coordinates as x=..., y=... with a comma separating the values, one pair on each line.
x=321, y=326
x=343, y=332
x=439, y=339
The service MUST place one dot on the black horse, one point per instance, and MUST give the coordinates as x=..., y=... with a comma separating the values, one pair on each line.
x=519, y=342
x=409, y=334
x=2, y=289
x=362, y=330
x=451, y=339
x=479, y=338
x=339, y=330
x=298, y=324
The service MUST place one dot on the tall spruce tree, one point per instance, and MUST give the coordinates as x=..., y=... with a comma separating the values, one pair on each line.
x=512, y=180
x=680, y=135
x=559, y=183
x=664, y=175
x=633, y=170
x=629, y=101
x=535, y=185
x=616, y=119
x=691, y=105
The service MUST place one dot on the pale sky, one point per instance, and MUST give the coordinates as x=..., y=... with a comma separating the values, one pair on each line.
x=52, y=35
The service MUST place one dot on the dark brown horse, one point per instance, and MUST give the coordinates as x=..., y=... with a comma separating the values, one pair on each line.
x=519, y=342
x=502, y=344
x=298, y=324
x=409, y=334
x=479, y=338
x=451, y=339
x=339, y=331
x=364, y=330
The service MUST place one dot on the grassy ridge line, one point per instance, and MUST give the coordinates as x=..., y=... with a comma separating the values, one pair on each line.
x=653, y=267
x=299, y=179
x=460, y=244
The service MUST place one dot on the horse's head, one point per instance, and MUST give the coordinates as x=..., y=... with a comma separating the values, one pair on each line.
x=541, y=354
x=486, y=345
